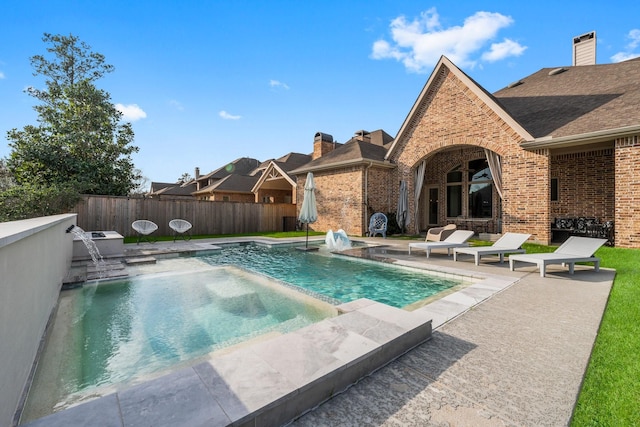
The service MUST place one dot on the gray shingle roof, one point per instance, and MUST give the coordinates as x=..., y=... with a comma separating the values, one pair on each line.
x=582, y=99
x=241, y=166
x=233, y=184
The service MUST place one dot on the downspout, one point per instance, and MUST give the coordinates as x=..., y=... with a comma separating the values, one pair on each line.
x=366, y=195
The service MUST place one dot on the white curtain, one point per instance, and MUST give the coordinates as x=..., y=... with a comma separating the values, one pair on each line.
x=417, y=190
x=496, y=169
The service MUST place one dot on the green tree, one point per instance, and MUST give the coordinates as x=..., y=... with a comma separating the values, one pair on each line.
x=184, y=178
x=80, y=139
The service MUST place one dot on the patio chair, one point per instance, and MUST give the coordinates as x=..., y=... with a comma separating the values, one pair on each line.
x=144, y=228
x=457, y=239
x=378, y=225
x=574, y=249
x=180, y=228
x=508, y=243
x=438, y=234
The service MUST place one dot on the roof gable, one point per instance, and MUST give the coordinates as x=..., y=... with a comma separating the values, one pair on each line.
x=273, y=172
x=445, y=64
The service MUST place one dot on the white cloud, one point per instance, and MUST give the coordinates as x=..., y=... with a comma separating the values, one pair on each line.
x=176, y=104
x=634, y=37
x=131, y=112
x=228, y=116
x=276, y=83
x=503, y=50
x=420, y=43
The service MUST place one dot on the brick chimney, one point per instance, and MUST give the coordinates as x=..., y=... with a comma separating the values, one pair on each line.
x=197, y=172
x=322, y=144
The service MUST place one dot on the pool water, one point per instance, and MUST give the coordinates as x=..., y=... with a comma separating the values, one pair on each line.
x=116, y=331
x=336, y=277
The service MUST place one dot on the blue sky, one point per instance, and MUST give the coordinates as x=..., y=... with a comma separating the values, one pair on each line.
x=204, y=83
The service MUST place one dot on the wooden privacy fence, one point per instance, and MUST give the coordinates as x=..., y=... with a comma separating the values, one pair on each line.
x=108, y=213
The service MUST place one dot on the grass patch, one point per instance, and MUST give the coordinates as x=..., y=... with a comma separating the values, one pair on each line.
x=610, y=394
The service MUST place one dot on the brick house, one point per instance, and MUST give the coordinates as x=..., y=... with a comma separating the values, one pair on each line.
x=562, y=142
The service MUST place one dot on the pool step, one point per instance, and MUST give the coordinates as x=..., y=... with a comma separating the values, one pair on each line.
x=140, y=260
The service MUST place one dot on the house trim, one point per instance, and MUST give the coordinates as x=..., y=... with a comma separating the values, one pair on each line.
x=353, y=162
x=580, y=139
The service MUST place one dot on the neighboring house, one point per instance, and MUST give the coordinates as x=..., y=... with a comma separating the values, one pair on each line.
x=231, y=188
x=247, y=180
x=172, y=190
x=562, y=142
x=208, y=187
x=275, y=184
x=241, y=166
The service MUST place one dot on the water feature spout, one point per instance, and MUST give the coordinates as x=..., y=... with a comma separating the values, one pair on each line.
x=86, y=238
x=71, y=227
x=338, y=241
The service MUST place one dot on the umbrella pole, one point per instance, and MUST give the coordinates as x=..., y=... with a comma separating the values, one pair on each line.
x=306, y=243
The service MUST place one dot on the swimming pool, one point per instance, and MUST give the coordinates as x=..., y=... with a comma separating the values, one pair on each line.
x=117, y=331
x=337, y=278
x=122, y=331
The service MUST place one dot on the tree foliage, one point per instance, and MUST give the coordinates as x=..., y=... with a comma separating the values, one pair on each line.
x=29, y=201
x=80, y=141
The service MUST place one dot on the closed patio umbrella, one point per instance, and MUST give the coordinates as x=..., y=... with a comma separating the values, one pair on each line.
x=308, y=210
x=403, y=206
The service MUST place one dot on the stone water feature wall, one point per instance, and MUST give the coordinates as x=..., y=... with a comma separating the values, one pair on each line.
x=35, y=256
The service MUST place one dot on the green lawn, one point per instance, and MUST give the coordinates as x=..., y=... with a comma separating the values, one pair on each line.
x=610, y=394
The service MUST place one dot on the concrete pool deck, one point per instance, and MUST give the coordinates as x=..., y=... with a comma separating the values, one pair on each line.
x=517, y=358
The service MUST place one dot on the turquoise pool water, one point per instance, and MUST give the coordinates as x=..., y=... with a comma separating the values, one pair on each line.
x=336, y=277
x=117, y=331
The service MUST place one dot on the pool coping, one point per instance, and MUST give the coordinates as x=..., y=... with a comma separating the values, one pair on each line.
x=290, y=374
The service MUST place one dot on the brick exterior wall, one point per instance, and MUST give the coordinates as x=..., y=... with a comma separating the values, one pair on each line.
x=339, y=198
x=627, y=192
x=451, y=116
x=347, y=197
x=586, y=184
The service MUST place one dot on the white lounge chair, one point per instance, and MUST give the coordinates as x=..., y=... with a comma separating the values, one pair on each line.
x=574, y=249
x=457, y=239
x=508, y=243
x=144, y=228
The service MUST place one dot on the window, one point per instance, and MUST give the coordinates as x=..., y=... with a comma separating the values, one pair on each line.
x=454, y=193
x=225, y=198
x=480, y=190
x=554, y=189
x=474, y=182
